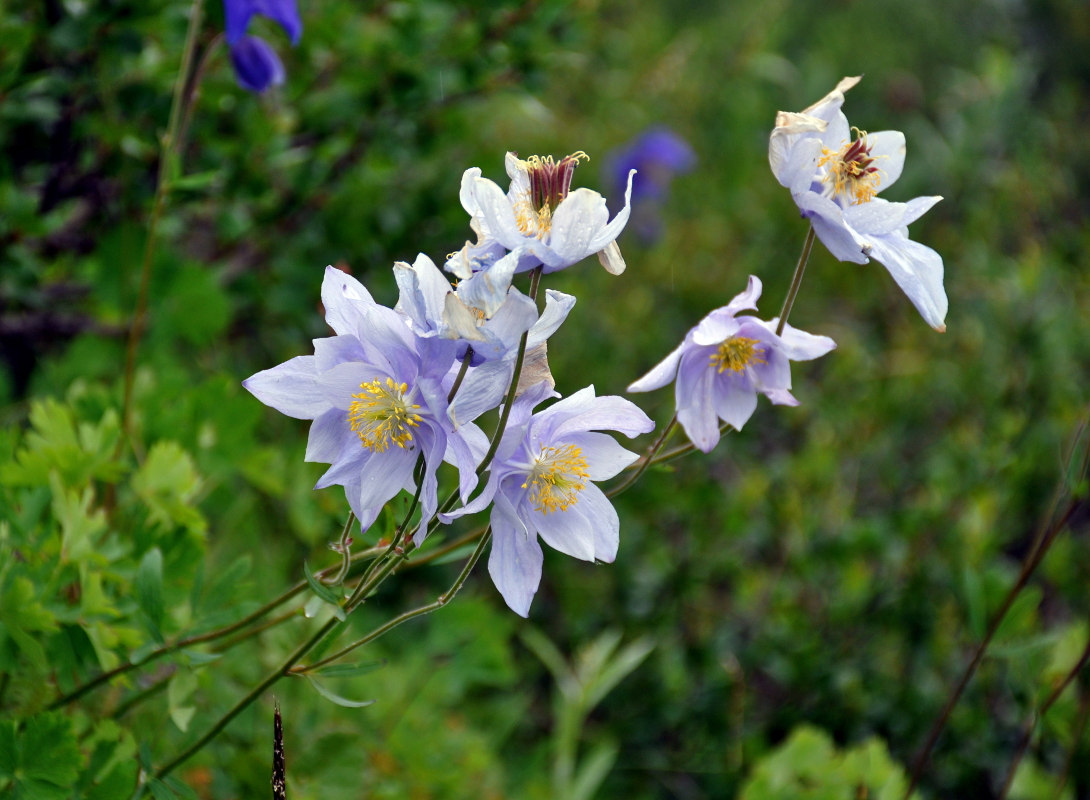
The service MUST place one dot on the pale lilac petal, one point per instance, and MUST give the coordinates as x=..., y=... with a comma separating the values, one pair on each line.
x=798, y=345
x=876, y=217
x=328, y=435
x=292, y=388
x=781, y=397
x=611, y=231
x=511, y=320
x=497, y=213
x=828, y=221
x=515, y=561
x=460, y=323
x=334, y=350
x=695, y=403
x=736, y=406
x=343, y=381
x=487, y=290
x=604, y=456
x=714, y=328
x=917, y=269
x=918, y=207
x=557, y=306
x=565, y=531
x=383, y=475
x=345, y=301
x=482, y=390
x=888, y=149
x=583, y=411
x=576, y=223
x=602, y=518
x=660, y=374
x=423, y=290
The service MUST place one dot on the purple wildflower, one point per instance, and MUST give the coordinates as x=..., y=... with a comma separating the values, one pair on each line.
x=541, y=484
x=257, y=67
x=378, y=397
x=725, y=361
x=657, y=155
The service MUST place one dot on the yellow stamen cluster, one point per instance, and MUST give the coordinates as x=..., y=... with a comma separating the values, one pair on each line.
x=380, y=415
x=558, y=476
x=851, y=169
x=736, y=353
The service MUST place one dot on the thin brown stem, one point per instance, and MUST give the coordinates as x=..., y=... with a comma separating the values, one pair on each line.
x=1031, y=723
x=1046, y=535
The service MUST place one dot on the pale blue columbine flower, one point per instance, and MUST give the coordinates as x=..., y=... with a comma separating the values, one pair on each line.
x=657, y=155
x=490, y=316
x=378, y=397
x=541, y=484
x=725, y=362
x=834, y=173
x=257, y=67
x=540, y=217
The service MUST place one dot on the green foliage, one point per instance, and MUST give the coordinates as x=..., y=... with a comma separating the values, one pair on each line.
x=831, y=565
x=809, y=766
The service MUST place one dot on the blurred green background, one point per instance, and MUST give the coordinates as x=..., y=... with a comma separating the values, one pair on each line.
x=818, y=582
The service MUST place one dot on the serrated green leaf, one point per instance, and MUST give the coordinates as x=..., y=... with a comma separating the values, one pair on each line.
x=336, y=698
x=149, y=589
x=80, y=524
x=167, y=482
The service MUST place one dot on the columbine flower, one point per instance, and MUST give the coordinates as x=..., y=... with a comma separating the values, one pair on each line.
x=657, y=155
x=257, y=67
x=541, y=484
x=540, y=216
x=725, y=361
x=490, y=316
x=378, y=399
x=834, y=173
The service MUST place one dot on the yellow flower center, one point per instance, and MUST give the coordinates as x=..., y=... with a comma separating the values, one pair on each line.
x=851, y=169
x=380, y=415
x=557, y=477
x=550, y=182
x=736, y=353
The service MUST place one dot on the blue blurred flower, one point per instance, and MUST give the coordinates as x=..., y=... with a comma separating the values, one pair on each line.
x=657, y=155
x=725, y=362
x=834, y=173
x=256, y=64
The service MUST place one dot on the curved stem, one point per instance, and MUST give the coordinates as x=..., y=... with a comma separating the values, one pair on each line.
x=201, y=638
x=439, y=602
x=796, y=280
x=252, y=695
x=167, y=152
x=645, y=459
x=1027, y=731
x=1037, y=552
x=450, y=547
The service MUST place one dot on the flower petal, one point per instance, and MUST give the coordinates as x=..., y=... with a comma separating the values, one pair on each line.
x=345, y=300
x=257, y=66
x=917, y=269
x=888, y=149
x=576, y=223
x=515, y=561
x=292, y=388
x=604, y=456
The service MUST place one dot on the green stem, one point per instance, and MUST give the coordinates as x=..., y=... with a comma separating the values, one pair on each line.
x=202, y=638
x=252, y=695
x=439, y=602
x=796, y=280
x=450, y=547
x=1076, y=737
x=167, y=151
x=1027, y=731
x=645, y=459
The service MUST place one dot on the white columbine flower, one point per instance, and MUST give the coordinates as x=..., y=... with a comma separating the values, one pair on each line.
x=540, y=216
x=834, y=173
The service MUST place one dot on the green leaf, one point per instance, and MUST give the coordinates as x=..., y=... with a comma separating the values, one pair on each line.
x=80, y=525
x=324, y=592
x=180, y=688
x=349, y=670
x=168, y=483
x=149, y=590
x=336, y=698
x=593, y=770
